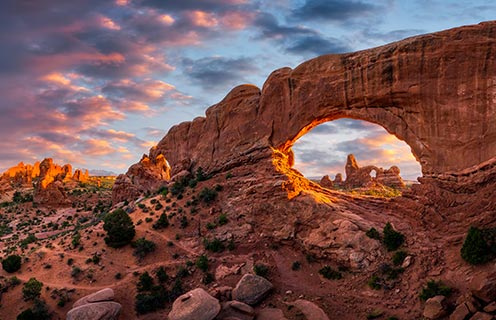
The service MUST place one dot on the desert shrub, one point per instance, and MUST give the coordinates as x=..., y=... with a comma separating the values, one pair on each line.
x=119, y=227
x=375, y=282
x=162, y=222
x=329, y=273
x=434, y=288
x=12, y=263
x=208, y=278
x=39, y=311
x=162, y=275
x=222, y=220
x=261, y=270
x=211, y=226
x=183, y=222
x=373, y=234
x=296, y=266
x=76, y=271
x=142, y=247
x=207, y=195
x=182, y=272
x=145, y=282
x=399, y=257
x=202, y=263
x=392, y=238
x=29, y=239
x=192, y=183
x=32, y=289
x=375, y=314
x=118, y=276
x=158, y=206
x=475, y=249
x=151, y=301
x=214, y=245
x=200, y=175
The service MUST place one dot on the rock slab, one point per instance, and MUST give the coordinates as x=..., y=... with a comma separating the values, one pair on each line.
x=196, y=304
x=95, y=311
x=251, y=289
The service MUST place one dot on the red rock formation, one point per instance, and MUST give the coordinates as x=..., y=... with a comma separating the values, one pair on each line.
x=357, y=177
x=146, y=176
x=437, y=92
x=80, y=176
x=326, y=182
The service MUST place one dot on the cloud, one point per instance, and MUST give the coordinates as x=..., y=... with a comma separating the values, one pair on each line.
x=297, y=39
x=317, y=45
x=333, y=10
x=218, y=72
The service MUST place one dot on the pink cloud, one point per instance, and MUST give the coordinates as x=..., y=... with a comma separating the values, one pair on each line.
x=237, y=20
x=202, y=18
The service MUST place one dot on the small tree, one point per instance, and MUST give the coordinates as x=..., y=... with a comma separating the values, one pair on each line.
x=12, y=263
x=162, y=222
x=392, y=238
x=202, y=263
x=32, y=289
x=120, y=229
x=145, y=282
x=475, y=249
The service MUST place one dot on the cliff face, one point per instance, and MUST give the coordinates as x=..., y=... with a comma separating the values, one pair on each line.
x=437, y=92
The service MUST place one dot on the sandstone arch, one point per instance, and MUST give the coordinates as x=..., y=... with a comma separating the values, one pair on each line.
x=436, y=92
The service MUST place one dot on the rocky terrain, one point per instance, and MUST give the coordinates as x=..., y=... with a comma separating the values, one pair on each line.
x=217, y=223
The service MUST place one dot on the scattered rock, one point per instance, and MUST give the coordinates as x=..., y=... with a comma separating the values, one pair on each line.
x=482, y=316
x=435, y=307
x=236, y=309
x=251, y=289
x=461, y=313
x=407, y=262
x=95, y=311
x=196, y=304
x=223, y=271
x=491, y=308
x=310, y=310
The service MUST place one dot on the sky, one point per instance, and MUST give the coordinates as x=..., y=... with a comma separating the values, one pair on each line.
x=96, y=83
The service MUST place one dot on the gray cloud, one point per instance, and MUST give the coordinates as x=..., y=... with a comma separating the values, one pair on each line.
x=333, y=10
x=215, y=72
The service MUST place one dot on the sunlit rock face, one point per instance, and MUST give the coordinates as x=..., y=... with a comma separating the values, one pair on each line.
x=437, y=92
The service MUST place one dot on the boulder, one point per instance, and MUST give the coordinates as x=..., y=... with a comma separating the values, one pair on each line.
x=251, y=289
x=310, y=310
x=106, y=294
x=95, y=311
x=484, y=287
x=196, y=304
x=491, y=308
x=236, y=309
x=461, y=313
x=270, y=314
x=435, y=307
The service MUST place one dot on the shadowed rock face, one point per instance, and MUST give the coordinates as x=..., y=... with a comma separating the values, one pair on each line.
x=437, y=92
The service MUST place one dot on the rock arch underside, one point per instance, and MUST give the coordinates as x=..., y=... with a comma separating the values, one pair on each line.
x=436, y=92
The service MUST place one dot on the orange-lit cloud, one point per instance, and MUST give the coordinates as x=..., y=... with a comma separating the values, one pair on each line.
x=166, y=19
x=237, y=20
x=108, y=23
x=202, y=18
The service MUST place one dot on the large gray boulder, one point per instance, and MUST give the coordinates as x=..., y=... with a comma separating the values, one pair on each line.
x=310, y=310
x=95, y=311
x=106, y=294
x=251, y=289
x=196, y=304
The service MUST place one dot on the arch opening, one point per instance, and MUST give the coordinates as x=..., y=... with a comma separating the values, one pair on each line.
x=350, y=155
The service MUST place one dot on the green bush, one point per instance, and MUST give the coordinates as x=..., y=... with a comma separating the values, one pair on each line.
x=375, y=282
x=32, y=289
x=162, y=275
x=142, y=247
x=329, y=273
x=399, y=257
x=202, y=263
x=475, y=249
x=296, y=266
x=373, y=234
x=38, y=312
x=151, y=301
x=145, y=282
x=207, y=195
x=162, y=222
x=214, y=245
x=434, y=288
x=222, y=220
x=392, y=238
x=261, y=270
x=12, y=263
x=120, y=229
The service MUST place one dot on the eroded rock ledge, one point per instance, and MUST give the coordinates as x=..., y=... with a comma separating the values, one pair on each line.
x=437, y=92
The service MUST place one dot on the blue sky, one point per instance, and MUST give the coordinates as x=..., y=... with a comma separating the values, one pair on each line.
x=98, y=82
